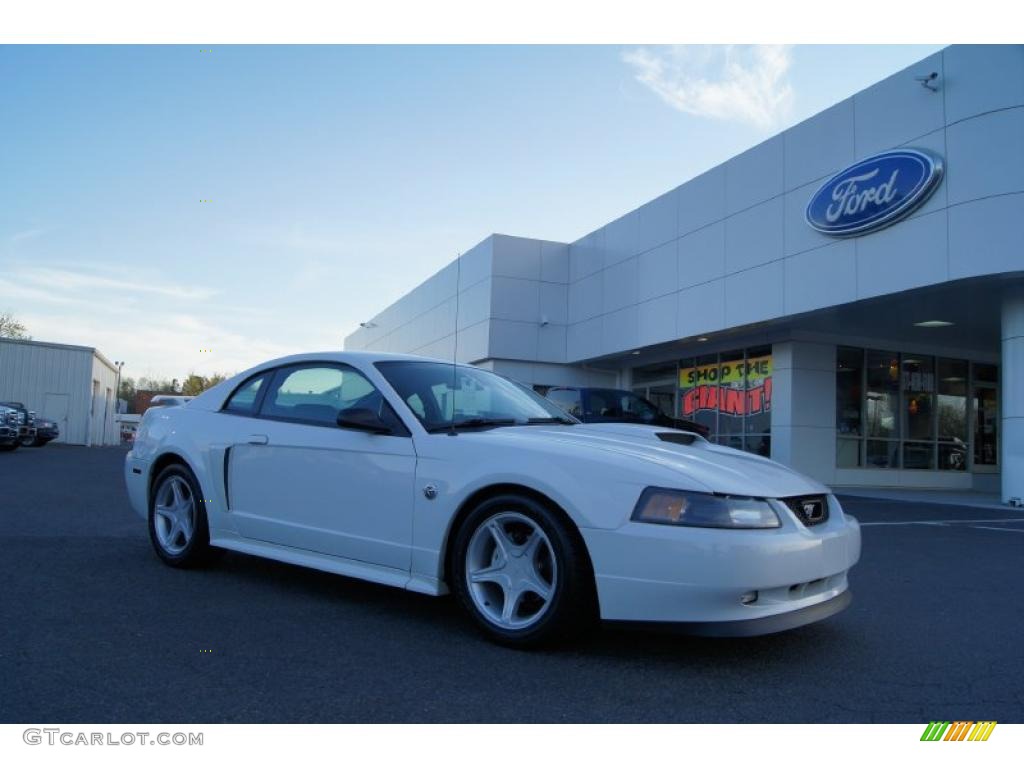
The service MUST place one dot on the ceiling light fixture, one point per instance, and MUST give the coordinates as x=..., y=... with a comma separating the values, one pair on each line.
x=933, y=324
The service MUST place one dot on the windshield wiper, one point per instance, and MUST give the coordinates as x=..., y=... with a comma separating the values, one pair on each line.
x=550, y=420
x=475, y=422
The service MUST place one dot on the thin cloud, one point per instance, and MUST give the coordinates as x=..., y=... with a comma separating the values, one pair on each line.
x=742, y=83
x=73, y=281
x=28, y=234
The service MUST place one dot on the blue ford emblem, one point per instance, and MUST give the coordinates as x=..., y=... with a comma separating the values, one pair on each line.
x=875, y=192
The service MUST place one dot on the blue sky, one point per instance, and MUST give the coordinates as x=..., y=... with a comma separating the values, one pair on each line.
x=340, y=177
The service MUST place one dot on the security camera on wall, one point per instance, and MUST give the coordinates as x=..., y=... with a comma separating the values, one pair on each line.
x=929, y=81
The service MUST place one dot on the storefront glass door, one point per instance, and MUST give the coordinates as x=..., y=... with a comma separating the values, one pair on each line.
x=985, y=407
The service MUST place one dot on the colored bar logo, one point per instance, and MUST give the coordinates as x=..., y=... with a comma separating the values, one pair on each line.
x=961, y=730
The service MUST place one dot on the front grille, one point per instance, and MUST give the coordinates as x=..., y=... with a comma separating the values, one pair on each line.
x=811, y=510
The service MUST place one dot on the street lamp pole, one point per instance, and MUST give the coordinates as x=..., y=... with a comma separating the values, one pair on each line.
x=117, y=397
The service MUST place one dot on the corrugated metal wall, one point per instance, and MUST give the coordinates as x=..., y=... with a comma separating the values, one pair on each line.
x=104, y=430
x=57, y=383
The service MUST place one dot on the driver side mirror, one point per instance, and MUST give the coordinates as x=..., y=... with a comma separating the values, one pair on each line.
x=364, y=420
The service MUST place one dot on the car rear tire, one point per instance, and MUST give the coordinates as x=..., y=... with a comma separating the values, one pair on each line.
x=28, y=442
x=521, y=573
x=178, y=527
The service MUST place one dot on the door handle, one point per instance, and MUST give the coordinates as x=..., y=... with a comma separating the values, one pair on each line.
x=256, y=440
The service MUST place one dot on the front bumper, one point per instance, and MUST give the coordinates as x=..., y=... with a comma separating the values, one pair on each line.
x=689, y=576
x=766, y=625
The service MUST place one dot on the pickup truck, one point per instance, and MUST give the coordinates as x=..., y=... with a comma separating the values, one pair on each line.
x=21, y=419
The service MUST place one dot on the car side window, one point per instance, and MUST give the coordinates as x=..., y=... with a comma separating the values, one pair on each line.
x=243, y=401
x=318, y=392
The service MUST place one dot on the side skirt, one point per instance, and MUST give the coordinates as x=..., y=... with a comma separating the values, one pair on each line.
x=355, y=569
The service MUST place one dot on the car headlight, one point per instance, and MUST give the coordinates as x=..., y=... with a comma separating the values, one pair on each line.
x=703, y=510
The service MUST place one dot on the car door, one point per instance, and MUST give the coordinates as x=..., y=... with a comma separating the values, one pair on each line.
x=300, y=480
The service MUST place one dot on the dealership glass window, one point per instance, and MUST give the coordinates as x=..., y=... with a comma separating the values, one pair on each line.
x=730, y=394
x=951, y=376
x=918, y=383
x=913, y=413
x=849, y=394
x=698, y=392
x=657, y=383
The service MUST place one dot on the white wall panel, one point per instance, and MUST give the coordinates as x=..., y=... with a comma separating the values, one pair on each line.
x=906, y=255
x=620, y=238
x=554, y=262
x=820, y=146
x=982, y=78
x=823, y=277
x=701, y=255
x=986, y=237
x=656, y=320
x=554, y=303
x=754, y=295
x=619, y=288
x=586, y=256
x=701, y=200
x=658, y=221
x=898, y=109
x=754, y=236
x=700, y=309
x=656, y=272
x=586, y=298
x=515, y=299
x=619, y=330
x=754, y=176
x=516, y=257
x=986, y=156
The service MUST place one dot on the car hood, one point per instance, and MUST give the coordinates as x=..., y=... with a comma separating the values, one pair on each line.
x=701, y=465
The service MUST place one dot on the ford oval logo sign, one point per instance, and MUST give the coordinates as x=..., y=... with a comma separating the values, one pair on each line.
x=875, y=192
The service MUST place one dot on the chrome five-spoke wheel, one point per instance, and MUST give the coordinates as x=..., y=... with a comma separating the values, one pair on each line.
x=174, y=520
x=511, y=570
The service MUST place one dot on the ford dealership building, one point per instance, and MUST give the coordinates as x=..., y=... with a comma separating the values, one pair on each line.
x=846, y=297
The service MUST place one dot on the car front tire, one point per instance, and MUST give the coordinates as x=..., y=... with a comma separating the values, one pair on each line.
x=11, y=447
x=178, y=527
x=521, y=573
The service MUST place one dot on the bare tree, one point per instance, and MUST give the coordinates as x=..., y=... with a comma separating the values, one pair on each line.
x=11, y=327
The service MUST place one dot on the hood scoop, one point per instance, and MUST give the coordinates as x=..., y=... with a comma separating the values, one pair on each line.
x=680, y=438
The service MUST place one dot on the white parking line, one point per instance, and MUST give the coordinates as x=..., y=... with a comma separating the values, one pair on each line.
x=991, y=528
x=968, y=521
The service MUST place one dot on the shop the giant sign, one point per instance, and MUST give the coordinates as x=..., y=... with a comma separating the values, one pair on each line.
x=734, y=388
x=875, y=192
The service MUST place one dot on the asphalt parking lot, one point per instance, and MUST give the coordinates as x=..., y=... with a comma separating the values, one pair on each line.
x=93, y=628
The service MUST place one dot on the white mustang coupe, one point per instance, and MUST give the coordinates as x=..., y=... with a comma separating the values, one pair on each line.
x=434, y=477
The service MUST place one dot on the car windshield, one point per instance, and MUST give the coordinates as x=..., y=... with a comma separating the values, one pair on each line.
x=442, y=395
x=614, y=403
